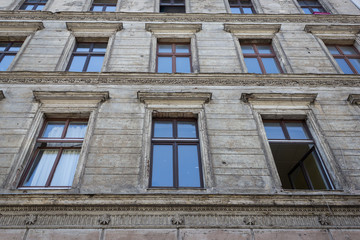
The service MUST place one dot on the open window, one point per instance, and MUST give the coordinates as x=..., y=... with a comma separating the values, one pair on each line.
x=297, y=160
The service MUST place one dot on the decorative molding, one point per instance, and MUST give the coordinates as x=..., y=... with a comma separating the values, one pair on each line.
x=173, y=27
x=253, y=31
x=19, y=29
x=93, y=29
x=354, y=99
x=249, y=220
x=30, y=219
x=43, y=96
x=324, y=219
x=280, y=97
x=104, y=219
x=177, y=220
x=332, y=29
x=224, y=79
x=145, y=97
x=2, y=96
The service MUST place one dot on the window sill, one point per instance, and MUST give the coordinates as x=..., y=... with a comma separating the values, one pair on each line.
x=310, y=192
x=44, y=188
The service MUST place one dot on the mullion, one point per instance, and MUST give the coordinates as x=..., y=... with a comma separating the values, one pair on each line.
x=51, y=175
x=258, y=56
x=65, y=129
x=284, y=128
x=346, y=58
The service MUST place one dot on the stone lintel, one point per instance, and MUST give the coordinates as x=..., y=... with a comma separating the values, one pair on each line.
x=354, y=99
x=327, y=31
x=173, y=27
x=93, y=29
x=2, y=96
x=253, y=30
x=16, y=29
x=281, y=97
x=43, y=96
x=144, y=97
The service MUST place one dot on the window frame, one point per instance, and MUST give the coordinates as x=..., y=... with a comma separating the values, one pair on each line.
x=40, y=140
x=173, y=5
x=173, y=55
x=104, y=5
x=36, y=5
x=88, y=55
x=9, y=53
x=259, y=56
x=310, y=7
x=310, y=140
x=240, y=5
x=175, y=141
x=345, y=56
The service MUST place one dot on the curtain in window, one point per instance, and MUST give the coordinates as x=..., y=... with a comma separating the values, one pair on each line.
x=65, y=170
x=76, y=130
x=41, y=168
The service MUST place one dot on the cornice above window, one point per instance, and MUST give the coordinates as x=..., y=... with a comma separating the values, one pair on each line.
x=78, y=96
x=333, y=31
x=305, y=98
x=161, y=28
x=93, y=29
x=15, y=29
x=171, y=97
x=258, y=31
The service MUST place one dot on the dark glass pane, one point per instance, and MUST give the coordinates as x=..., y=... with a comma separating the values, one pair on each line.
x=264, y=49
x=95, y=64
x=312, y=167
x=53, y=130
x=189, y=171
x=273, y=130
x=165, y=48
x=41, y=168
x=76, y=130
x=247, y=49
x=97, y=8
x=270, y=65
x=27, y=7
x=164, y=65
x=172, y=9
x=162, y=166
x=99, y=47
x=183, y=65
x=182, y=48
x=110, y=9
x=32, y=1
x=179, y=1
x=43, y=1
x=356, y=64
x=77, y=64
x=165, y=1
x=231, y=2
x=65, y=170
x=296, y=130
x=15, y=47
x=163, y=129
x=247, y=10
x=333, y=50
x=3, y=46
x=5, y=62
x=235, y=10
x=298, y=179
x=83, y=47
x=344, y=66
x=186, y=130
x=307, y=11
x=348, y=50
x=252, y=65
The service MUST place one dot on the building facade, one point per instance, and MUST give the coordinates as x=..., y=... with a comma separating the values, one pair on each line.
x=179, y=119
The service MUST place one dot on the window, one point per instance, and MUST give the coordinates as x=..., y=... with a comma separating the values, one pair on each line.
x=103, y=6
x=33, y=5
x=241, y=6
x=311, y=7
x=172, y=6
x=175, y=154
x=87, y=57
x=174, y=58
x=347, y=57
x=260, y=58
x=297, y=160
x=8, y=50
x=56, y=154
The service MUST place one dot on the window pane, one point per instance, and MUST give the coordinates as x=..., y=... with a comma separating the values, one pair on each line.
x=53, y=130
x=65, y=170
x=83, y=47
x=247, y=49
x=273, y=130
x=26, y=7
x=247, y=10
x=183, y=65
x=189, y=172
x=232, y=1
x=235, y=10
x=306, y=11
x=178, y=1
x=333, y=50
x=165, y=48
x=15, y=47
x=95, y=64
x=97, y=8
x=163, y=129
x=252, y=65
x=5, y=62
x=298, y=179
x=344, y=66
x=296, y=130
x=3, y=46
x=316, y=176
x=162, y=166
x=182, y=48
x=76, y=130
x=186, y=130
x=40, y=170
x=348, y=50
x=110, y=9
x=77, y=64
x=356, y=64
x=264, y=49
x=165, y=1
x=270, y=65
x=99, y=47
x=164, y=65
x=39, y=7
